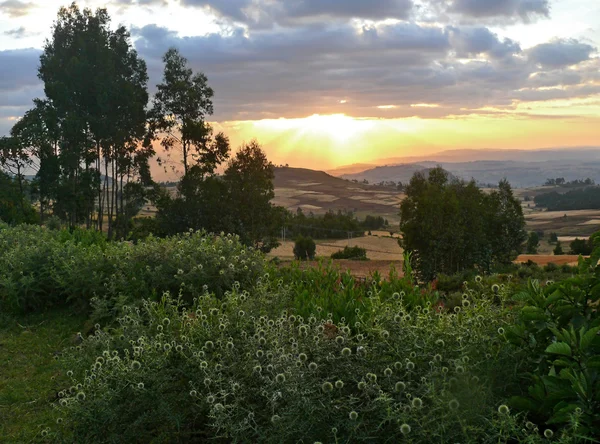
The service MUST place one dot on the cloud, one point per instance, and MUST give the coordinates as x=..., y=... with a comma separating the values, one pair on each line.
x=265, y=13
x=525, y=9
x=15, y=8
x=20, y=33
x=560, y=53
x=19, y=84
x=472, y=42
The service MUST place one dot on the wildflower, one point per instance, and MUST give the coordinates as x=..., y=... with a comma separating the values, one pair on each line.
x=140, y=385
x=503, y=409
x=478, y=279
x=439, y=342
x=210, y=399
x=69, y=373
x=280, y=378
x=179, y=348
x=339, y=340
x=81, y=396
x=339, y=384
x=230, y=345
x=193, y=393
x=136, y=365
x=500, y=331
x=399, y=387
x=59, y=420
x=167, y=347
x=417, y=403
x=346, y=351
x=495, y=288
x=219, y=407
x=548, y=433
x=385, y=334
x=209, y=345
x=454, y=404
x=397, y=365
x=327, y=387
x=257, y=369
x=353, y=415
x=312, y=366
x=405, y=429
x=388, y=372
x=362, y=385
x=275, y=418
x=372, y=377
x=410, y=366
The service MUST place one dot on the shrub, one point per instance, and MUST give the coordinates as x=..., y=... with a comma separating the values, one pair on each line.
x=356, y=253
x=558, y=251
x=558, y=335
x=40, y=268
x=226, y=368
x=305, y=248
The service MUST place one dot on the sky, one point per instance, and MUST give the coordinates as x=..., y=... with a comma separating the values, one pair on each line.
x=326, y=83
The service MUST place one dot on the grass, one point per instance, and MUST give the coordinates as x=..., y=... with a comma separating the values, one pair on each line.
x=29, y=374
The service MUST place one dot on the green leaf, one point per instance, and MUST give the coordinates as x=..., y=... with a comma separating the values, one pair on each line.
x=559, y=348
x=586, y=339
x=533, y=313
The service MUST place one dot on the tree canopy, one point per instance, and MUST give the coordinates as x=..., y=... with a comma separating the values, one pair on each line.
x=452, y=225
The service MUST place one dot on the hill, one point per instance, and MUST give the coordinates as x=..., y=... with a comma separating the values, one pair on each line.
x=320, y=192
x=519, y=173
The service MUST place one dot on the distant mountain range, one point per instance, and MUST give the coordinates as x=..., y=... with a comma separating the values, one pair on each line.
x=522, y=168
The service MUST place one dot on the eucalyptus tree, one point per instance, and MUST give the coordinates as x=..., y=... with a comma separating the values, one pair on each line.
x=97, y=85
x=180, y=106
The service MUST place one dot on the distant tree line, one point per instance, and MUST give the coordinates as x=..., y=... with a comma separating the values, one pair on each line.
x=580, y=199
x=560, y=181
x=331, y=225
x=451, y=225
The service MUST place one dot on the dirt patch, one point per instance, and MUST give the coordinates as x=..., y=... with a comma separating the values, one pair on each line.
x=542, y=260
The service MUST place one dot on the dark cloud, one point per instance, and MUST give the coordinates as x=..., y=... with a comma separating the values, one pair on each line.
x=524, y=9
x=19, y=84
x=472, y=42
x=260, y=13
x=560, y=53
x=15, y=8
x=20, y=33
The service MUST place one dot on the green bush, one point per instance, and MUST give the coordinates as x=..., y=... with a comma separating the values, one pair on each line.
x=230, y=369
x=40, y=268
x=356, y=253
x=558, y=335
x=305, y=248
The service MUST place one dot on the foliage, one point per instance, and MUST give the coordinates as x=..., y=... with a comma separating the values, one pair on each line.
x=40, y=268
x=553, y=237
x=582, y=246
x=533, y=242
x=587, y=198
x=330, y=225
x=237, y=202
x=558, y=250
x=230, y=369
x=557, y=334
x=304, y=248
x=374, y=222
x=90, y=132
x=180, y=106
x=249, y=179
x=15, y=208
x=450, y=226
x=356, y=253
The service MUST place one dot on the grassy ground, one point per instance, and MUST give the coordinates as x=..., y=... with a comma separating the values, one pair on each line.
x=29, y=375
